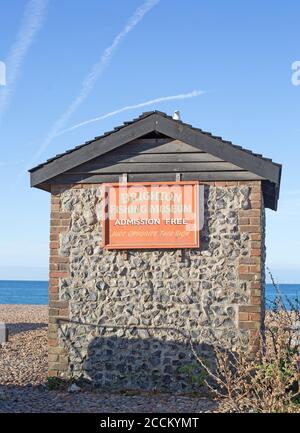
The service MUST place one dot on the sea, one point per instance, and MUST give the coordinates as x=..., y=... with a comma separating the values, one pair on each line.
x=36, y=293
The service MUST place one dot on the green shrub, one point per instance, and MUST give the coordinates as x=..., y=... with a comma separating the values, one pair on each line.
x=195, y=373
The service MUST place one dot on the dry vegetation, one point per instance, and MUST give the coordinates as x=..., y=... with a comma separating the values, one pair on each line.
x=265, y=381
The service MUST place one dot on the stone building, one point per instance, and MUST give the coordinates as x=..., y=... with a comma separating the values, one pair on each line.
x=124, y=318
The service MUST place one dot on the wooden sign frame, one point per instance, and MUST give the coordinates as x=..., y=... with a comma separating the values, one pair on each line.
x=106, y=241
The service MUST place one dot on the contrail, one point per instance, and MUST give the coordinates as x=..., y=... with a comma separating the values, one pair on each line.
x=31, y=23
x=192, y=94
x=97, y=70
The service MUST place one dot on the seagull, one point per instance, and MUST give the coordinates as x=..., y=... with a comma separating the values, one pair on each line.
x=176, y=115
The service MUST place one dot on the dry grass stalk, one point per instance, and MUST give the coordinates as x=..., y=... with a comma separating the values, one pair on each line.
x=267, y=380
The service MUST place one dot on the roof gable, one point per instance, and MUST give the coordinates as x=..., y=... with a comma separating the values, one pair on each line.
x=102, y=148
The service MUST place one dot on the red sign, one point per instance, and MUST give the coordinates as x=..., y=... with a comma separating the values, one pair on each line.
x=151, y=215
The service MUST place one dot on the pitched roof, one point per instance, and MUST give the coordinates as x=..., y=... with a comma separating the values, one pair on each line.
x=157, y=121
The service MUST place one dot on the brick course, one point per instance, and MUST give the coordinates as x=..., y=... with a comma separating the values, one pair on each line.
x=251, y=316
x=58, y=268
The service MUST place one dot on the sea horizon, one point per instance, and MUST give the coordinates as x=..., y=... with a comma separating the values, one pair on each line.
x=35, y=292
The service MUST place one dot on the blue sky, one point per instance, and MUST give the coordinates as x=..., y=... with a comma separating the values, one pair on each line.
x=239, y=53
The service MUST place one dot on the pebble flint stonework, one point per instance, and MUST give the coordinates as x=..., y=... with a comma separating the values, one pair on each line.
x=125, y=318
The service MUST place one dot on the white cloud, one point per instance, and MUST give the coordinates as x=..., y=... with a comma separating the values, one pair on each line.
x=192, y=94
x=30, y=25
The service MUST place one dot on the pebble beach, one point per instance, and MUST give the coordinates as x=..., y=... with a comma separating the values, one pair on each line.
x=23, y=375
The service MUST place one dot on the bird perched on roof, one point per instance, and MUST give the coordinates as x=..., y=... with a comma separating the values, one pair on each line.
x=176, y=115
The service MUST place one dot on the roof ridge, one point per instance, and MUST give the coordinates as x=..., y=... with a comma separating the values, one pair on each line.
x=143, y=116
